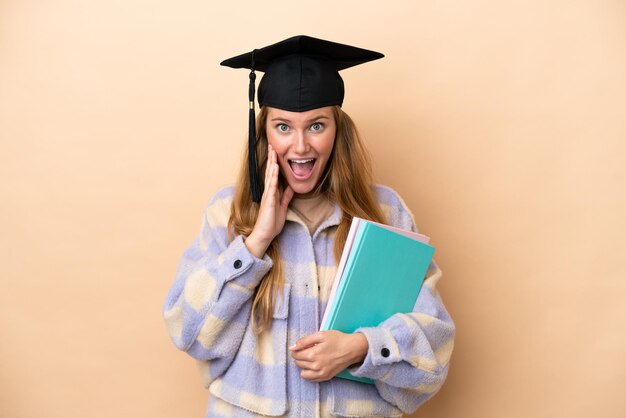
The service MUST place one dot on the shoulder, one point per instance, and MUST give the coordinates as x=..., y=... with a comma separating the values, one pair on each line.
x=385, y=195
x=394, y=208
x=224, y=193
x=217, y=210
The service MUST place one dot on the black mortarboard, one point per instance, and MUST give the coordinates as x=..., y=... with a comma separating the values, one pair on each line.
x=301, y=73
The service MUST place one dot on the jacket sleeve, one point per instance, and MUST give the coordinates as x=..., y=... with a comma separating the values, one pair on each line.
x=409, y=353
x=207, y=309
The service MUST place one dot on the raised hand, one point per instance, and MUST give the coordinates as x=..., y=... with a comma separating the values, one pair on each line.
x=272, y=209
x=322, y=355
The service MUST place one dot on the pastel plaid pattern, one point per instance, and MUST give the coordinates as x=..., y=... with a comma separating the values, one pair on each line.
x=207, y=313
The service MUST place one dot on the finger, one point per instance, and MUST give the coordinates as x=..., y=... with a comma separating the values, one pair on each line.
x=303, y=355
x=308, y=341
x=286, y=198
x=272, y=155
x=268, y=164
x=313, y=375
x=274, y=180
x=305, y=365
x=270, y=182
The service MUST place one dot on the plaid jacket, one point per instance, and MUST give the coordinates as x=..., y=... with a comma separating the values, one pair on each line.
x=207, y=312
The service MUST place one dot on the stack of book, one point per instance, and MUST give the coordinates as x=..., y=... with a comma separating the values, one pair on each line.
x=380, y=273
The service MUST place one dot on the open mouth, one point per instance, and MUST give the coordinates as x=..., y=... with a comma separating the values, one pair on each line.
x=303, y=168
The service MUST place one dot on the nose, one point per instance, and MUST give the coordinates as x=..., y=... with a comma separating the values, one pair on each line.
x=301, y=145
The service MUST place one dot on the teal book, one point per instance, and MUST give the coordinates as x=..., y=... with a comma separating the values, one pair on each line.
x=380, y=274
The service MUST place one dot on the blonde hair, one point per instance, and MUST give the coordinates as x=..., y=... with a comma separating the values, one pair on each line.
x=346, y=181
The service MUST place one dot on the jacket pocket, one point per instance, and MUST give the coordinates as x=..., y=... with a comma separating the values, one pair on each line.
x=257, y=378
x=355, y=399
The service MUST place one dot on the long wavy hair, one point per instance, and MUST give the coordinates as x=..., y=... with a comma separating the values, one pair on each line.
x=346, y=181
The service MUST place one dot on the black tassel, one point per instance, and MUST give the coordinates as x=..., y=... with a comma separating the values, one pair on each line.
x=255, y=186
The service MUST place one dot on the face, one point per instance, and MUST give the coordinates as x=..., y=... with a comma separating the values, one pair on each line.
x=303, y=142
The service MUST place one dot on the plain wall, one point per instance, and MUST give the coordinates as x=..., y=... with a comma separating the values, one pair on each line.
x=502, y=124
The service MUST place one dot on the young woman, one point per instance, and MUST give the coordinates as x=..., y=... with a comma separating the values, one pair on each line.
x=251, y=290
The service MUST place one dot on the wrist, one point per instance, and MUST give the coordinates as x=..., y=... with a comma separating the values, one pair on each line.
x=257, y=246
x=361, y=347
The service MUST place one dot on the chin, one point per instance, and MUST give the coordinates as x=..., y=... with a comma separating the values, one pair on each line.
x=302, y=189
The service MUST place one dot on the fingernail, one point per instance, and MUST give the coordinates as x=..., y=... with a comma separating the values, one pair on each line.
x=292, y=347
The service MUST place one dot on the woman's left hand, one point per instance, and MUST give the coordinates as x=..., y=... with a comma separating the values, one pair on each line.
x=324, y=354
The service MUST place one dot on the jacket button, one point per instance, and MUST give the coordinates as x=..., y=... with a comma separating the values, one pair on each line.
x=385, y=352
x=237, y=264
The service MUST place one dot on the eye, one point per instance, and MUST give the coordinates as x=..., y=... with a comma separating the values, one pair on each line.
x=317, y=127
x=282, y=127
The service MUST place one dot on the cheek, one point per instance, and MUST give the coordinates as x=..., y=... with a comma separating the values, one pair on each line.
x=276, y=143
x=327, y=145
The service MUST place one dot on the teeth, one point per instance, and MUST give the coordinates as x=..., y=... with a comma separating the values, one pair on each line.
x=302, y=161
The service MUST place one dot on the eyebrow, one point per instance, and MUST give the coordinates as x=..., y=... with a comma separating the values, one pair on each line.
x=319, y=117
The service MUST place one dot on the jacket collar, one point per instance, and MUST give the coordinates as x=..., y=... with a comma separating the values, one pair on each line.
x=333, y=220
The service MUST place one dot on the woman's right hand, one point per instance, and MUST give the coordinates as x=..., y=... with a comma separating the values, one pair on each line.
x=272, y=210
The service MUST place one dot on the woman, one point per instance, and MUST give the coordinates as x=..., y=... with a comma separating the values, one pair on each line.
x=251, y=290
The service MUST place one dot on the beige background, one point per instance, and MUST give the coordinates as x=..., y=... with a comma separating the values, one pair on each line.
x=502, y=124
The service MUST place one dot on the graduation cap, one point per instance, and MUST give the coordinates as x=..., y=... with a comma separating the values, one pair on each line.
x=301, y=73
